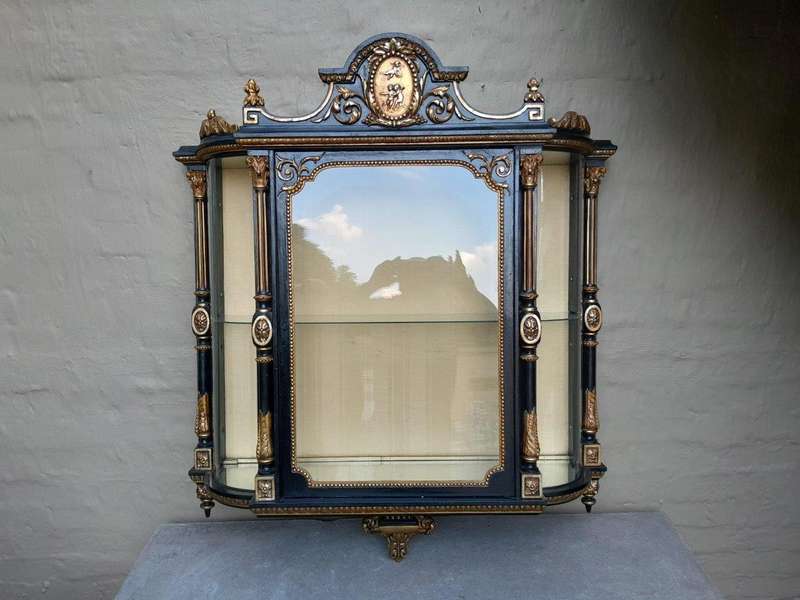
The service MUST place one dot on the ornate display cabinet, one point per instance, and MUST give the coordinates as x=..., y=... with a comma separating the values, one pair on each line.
x=396, y=310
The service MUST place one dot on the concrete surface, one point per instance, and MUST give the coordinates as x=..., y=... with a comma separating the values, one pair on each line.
x=625, y=556
x=699, y=220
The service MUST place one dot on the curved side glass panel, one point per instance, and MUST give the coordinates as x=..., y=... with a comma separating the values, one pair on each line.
x=559, y=348
x=232, y=285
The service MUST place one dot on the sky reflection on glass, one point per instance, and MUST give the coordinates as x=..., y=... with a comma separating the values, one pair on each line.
x=374, y=221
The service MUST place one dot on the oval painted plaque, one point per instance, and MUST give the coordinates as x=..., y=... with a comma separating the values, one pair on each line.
x=394, y=87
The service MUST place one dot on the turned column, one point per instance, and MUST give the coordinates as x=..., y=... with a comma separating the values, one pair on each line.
x=592, y=321
x=530, y=330
x=261, y=333
x=201, y=327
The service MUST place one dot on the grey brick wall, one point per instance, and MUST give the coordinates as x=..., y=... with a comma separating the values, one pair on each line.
x=699, y=244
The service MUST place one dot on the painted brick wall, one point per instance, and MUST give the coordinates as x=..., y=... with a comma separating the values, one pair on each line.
x=699, y=243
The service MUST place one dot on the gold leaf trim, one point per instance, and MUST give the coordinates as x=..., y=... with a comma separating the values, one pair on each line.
x=590, y=419
x=499, y=189
x=530, y=446
x=264, y=442
x=202, y=421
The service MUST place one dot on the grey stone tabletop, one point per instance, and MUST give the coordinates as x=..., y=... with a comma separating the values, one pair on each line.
x=553, y=556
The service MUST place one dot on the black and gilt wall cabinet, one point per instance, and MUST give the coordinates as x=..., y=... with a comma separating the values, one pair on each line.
x=396, y=310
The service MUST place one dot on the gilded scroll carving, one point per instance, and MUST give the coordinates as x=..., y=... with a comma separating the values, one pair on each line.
x=572, y=121
x=491, y=166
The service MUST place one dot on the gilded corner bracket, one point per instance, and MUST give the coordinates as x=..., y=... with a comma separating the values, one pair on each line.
x=398, y=531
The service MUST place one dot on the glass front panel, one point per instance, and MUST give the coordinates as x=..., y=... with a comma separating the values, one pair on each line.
x=396, y=339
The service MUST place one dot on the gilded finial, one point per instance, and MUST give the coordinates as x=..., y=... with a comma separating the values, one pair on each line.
x=253, y=97
x=534, y=95
x=214, y=125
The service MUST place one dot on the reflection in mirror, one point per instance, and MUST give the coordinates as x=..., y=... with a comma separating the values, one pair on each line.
x=395, y=325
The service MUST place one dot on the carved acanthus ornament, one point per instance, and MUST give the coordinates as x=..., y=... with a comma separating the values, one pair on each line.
x=590, y=419
x=214, y=125
x=197, y=180
x=259, y=171
x=591, y=180
x=202, y=421
x=530, y=442
x=529, y=170
x=572, y=121
x=264, y=442
x=253, y=95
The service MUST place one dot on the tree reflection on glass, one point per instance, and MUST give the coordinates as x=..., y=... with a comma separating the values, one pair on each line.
x=409, y=243
x=394, y=282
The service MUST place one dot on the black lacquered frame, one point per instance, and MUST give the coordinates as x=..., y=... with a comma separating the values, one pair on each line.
x=433, y=122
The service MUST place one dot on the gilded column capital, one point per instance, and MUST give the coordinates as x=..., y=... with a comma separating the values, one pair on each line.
x=197, y=179
x=259, y=171
x=529, y=170
x=591, y=180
